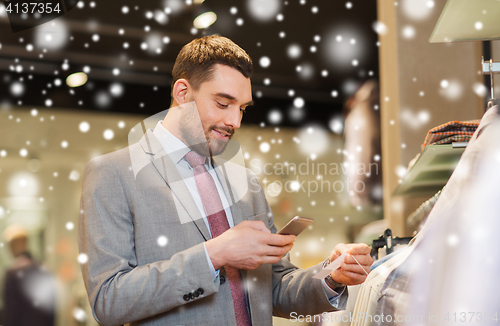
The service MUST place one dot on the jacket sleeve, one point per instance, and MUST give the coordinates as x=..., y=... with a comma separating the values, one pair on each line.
x=295, y=290
x=119, y=289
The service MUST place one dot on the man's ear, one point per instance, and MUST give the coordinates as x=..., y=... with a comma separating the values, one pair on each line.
x=181, y=91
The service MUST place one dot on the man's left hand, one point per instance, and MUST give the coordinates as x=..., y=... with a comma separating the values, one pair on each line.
x=350, y=273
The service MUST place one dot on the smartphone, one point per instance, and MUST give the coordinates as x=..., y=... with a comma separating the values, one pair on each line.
x=296, y=225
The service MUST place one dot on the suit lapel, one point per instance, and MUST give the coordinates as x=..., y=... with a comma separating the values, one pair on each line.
x=164, y=165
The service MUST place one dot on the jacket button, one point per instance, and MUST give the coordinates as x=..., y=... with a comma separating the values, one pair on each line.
x=196, y=294
x=186, y=297
x=200, y=291
x=222, y=279
x=190, y=295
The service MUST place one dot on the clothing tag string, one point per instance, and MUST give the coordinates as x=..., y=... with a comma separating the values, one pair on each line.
x=380, y=294
x=360, y=265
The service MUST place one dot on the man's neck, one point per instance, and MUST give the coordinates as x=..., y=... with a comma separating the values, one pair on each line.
x=171, y=122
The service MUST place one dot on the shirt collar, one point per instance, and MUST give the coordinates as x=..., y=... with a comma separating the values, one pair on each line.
x=172, y=145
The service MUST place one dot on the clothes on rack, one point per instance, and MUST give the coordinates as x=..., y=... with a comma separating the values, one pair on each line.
x=453, y=131
x=392, y=290
x=371, y=291
x=403, y=285
x=385, y=258
x=467, y=235
x=418, y=217
x=451, y=191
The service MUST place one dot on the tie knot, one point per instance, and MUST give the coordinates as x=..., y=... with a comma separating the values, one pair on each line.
x=194, y=159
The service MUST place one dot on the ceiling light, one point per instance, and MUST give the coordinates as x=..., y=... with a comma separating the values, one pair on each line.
x=76, y=79
x=204, y=20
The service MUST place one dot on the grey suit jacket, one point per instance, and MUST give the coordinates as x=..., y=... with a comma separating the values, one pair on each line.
x=131, y=277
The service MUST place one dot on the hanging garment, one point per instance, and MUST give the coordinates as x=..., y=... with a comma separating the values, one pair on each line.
x=461, y=283
x=419, y=216
x=403, y=284
x=371, y=291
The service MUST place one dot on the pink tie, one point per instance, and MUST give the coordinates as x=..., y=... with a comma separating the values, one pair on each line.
x=218, y=224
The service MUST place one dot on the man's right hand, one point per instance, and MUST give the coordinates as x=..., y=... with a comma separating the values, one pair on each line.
x=247, y=246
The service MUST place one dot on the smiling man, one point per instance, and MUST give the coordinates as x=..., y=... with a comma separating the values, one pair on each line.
x=220, y=103
x=171, y=243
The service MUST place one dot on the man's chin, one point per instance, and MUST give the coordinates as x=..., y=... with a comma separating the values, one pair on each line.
x=217, y=146
x=203, y=149
x=212, y=148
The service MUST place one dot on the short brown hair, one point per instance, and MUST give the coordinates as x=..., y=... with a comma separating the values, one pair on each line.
x=196, y=59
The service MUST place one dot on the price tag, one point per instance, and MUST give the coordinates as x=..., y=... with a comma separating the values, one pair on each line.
x=331, y=267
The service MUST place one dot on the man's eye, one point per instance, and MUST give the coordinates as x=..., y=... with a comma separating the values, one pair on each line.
x=222, y=105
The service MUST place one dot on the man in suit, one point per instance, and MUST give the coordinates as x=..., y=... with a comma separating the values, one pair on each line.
x=178, y=232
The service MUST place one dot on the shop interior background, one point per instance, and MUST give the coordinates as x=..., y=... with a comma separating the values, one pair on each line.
x=310, y=57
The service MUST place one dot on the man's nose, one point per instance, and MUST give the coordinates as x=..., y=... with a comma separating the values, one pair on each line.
x=233, y=118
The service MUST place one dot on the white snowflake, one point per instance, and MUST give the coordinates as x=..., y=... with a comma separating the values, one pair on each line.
x=108, y=134
x=264, y=147
x=294, y=51
x=83, y=258
x=265, y=62
x=84, y=126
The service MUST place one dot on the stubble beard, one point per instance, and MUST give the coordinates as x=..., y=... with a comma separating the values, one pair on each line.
x=212, y=146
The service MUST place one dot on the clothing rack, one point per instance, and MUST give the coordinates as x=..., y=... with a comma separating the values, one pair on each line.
x=491, y=68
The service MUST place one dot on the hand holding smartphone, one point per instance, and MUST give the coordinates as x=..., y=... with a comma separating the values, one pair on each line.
x=296, y=225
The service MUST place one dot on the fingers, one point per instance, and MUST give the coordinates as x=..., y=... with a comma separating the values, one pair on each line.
x=271, y=255
x=353, y=248
x=278, y=252
x=355, y=268
x=350, y=278
x=362, y=259
x=256, y=225
x=279, y=239
x=337, y=251
x=358, y=249
x=350, y=274
x=340, y=249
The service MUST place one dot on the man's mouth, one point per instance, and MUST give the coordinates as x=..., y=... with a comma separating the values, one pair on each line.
x=220, y=134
